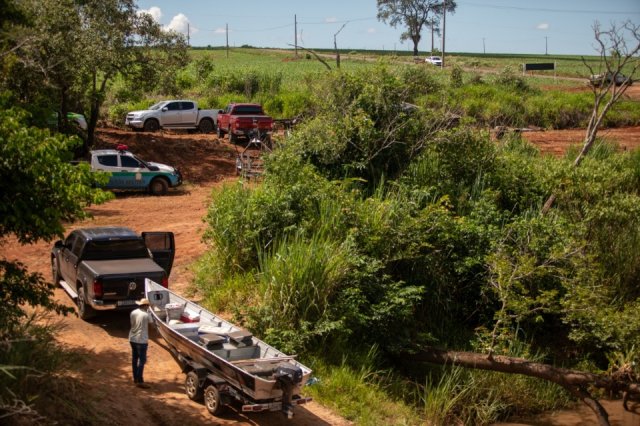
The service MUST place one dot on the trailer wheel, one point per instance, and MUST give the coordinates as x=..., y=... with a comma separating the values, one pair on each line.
x=212, y=400
x=192, y=386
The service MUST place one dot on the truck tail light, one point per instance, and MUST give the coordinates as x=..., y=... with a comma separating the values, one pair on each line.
x=97, y=288
x=165, y=282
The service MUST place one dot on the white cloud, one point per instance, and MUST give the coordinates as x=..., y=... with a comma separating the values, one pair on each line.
x=154, y=11
x=543, y=26
x=180, y=24
x=220, y=31
x=331, y=19
x=371, y=30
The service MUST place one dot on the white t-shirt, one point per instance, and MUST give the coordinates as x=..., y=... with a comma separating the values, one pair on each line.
x=139, y=332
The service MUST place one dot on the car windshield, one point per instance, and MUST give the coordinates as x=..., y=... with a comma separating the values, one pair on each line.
x=115, y=249
x=159, y=105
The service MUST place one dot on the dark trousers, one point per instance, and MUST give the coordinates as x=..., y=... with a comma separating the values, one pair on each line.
x=138, y=359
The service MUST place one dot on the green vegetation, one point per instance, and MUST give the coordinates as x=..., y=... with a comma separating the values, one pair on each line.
x=388, y=222
x=381, y=227
x=286, y=85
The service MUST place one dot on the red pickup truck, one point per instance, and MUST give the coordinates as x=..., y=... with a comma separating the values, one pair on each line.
x=240, y=119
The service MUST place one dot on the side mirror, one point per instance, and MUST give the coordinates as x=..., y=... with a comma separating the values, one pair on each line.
x=59, y=244
x=154, y=168
x=165, y=109
x=220, y=111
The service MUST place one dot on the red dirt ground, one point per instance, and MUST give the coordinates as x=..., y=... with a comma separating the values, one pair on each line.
x=206, y=164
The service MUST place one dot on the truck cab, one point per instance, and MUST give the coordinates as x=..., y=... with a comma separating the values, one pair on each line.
x=130, y=172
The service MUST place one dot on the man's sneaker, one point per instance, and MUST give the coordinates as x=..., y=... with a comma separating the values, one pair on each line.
x=143, y=385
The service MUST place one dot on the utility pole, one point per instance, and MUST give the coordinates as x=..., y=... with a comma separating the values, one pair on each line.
x=226, y=31
x=444, y=27
x=432, y=38
x=484, y=50
x=188, y=35
x=545, y=45
x=295, y=35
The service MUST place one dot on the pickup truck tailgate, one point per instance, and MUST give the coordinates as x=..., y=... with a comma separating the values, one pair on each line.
x=118, y=285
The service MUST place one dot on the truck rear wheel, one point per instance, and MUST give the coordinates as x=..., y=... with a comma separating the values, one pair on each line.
x=220, y=133
x=158, y=186
x=205, y=126
x=85, y=311
x=151, y=125
x=192, y=386
x=212, y=400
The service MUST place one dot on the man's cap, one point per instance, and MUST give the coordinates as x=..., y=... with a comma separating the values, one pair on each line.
x=142, y=302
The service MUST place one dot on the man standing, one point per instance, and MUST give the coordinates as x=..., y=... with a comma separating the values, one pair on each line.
x=139, y=339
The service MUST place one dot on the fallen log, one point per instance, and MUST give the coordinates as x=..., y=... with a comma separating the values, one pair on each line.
x=574, y=381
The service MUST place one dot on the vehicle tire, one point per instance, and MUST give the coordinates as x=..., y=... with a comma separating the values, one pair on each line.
x=220, y=133
x=85, y=311
x=205, y=126
x=158, y=186
x=151, y=125
x=55, y=272
x=192, y=386
x=212, y=400
x=232, y=138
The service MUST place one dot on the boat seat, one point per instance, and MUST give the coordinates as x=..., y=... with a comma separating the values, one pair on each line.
x=187, y=329
x=241, y=338
x=211, y=341
x=210, y=327
x=236, y=354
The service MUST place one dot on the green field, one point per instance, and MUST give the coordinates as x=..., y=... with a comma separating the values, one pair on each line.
x=489, y=89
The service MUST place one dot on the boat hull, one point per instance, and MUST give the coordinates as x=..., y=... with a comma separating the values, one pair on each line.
x=244, y=362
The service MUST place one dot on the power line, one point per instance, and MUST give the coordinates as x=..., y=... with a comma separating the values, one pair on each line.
x=540, y=9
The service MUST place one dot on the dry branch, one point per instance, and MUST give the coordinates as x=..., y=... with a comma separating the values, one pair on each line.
x=574, y=381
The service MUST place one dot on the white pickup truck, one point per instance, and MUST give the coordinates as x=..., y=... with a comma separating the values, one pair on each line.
x=174, y=114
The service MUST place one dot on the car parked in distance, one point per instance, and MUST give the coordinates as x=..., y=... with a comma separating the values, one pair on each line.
x=130, y=172
x=174, y=114
x=605, y=78
x=73, y=117
x=241, y=119
x=434, y=60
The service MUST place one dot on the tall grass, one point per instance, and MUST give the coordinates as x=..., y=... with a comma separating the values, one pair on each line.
x=299, y=276
x=360, y=392
x=455, y=395
x=33, y=387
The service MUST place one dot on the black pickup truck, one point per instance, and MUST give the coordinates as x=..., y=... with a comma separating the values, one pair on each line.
x=104, y=268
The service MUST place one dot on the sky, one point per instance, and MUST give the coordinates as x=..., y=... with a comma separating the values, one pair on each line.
x=554, y=27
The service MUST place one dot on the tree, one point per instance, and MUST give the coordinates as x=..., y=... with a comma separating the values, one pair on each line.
x=414, y=15
x=74, y=49
x=39, y=191
x=618, y=48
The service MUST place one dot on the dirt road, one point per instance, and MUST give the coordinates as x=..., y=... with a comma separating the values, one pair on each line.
x=105, y=375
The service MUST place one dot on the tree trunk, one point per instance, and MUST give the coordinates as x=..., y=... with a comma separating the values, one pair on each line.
x=574, y=381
